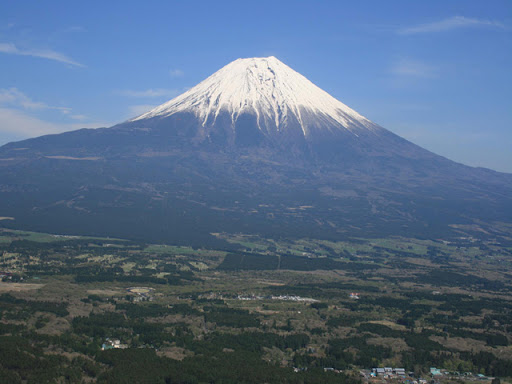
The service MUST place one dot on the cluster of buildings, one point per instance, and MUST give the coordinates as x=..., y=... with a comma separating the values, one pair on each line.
x=281, y=297
x=388, y=372
x=439, y=373
x=113, y=344
x=435, y=376
x=142, y=294
x=9, y=277
x=253, y=297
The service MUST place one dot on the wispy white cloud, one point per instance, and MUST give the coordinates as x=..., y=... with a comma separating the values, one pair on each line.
x=12, y=49
x=13, y=96
x=174, y=72
x=136, y=110
x=158, y=92
x=78, y=117
x=413, y=68
x=20, y=116
x=19, y=124
x=16, y=98
x=74, y=28
x=455, y=22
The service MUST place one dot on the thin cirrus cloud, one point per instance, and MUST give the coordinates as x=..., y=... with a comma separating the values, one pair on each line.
x=455, y=22
x=12, y=49
x=137, y=110
x=15, y=98
x=176, y=72
x=413, y=68
x=22, y=125
x=18, y=114
x=16, y=125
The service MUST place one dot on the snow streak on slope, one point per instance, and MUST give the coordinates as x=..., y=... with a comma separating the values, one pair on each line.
x=268, y=89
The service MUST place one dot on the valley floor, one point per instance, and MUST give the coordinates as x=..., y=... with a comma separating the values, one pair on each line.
x=76, y=309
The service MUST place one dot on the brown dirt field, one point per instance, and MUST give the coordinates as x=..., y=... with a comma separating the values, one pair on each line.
x=77, y=308
x=105, y=292
x=389, y=324
x=421, y=262
x=273, y=283
x=19, y=287
x=56, y=326
x=265, y=311
x=461, y=344
x=175, y=353
x=397, y=345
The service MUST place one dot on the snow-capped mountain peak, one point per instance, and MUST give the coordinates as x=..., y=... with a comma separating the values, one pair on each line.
x=266, y=88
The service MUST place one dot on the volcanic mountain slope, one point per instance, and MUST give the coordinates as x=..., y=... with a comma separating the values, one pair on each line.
x=254, y=148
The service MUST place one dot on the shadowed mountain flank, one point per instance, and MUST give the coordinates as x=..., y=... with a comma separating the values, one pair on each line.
x=254, y=148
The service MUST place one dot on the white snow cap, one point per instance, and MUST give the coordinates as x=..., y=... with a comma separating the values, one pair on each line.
x=267, y=88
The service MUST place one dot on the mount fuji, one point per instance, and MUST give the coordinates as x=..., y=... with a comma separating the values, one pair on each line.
x=254, y=148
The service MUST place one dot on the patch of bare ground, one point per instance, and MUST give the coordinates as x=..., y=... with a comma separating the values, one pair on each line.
x=454, y=291
x=272, y=283
x=58, y=288
x=104, y=292
x=275, y=356
x=475, y=320
x=475, y=293
x=78, y=308
x=264, y=311
x=55, y=326
x=169, y=319
x=174, y=319
x=421, y=262
x=315, y=323
x=397, y=345
x=70, y=355
x=504, y=352
x=19, y=287
x=394, y=272
x=341, y=332
x=175, y=353
x=411, y=285
x=460, y=343
x=389, y=324
x=104, y=307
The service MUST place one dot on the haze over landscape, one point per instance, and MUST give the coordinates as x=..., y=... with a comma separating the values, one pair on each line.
x=267, y=193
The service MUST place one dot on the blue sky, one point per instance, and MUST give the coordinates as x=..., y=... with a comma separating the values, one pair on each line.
x=435, y=72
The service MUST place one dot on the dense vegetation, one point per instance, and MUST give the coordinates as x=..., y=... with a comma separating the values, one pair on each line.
x=267, y=312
